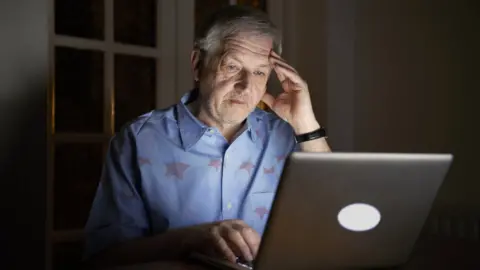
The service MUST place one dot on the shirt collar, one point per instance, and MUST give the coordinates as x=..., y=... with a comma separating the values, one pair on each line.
x=191, y=129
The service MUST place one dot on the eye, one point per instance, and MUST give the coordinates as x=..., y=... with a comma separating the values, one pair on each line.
x=231, y=68
x=259, y=73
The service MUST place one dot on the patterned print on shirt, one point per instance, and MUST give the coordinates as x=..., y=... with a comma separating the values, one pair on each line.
x=143, y=161
x=269, y=170
x=176, y=169
x=280, y=158
x=247, y=166
x=261, y=212
x=259, y=133
x=215, y=163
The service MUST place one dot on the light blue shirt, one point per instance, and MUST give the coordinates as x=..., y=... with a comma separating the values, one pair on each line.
x=167, y=170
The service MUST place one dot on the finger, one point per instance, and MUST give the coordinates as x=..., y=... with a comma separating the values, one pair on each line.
x=294, y=77
x=288, y=85
x=222, y=246
x=275, y=55
x=281, y=77
x=252, y=238
x=234, y=237
x=283, y=98
x=282, y=63
x=284, y=66
x=274, y=64
x=284, y=71
x=268, y=99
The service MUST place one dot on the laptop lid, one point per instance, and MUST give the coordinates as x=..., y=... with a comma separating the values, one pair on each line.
x=342, y=210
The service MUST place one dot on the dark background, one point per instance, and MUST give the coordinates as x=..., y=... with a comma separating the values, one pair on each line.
x=23, y=96
x=394, y=76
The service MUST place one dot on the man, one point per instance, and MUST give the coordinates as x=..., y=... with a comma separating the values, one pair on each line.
x=200, y=176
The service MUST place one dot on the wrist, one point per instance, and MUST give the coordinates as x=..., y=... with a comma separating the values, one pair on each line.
x=305, y=127
x=193, y=238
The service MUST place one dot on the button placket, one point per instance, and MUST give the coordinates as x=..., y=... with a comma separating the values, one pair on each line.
x=227, y=183
x=225, y=198
x=226, y=158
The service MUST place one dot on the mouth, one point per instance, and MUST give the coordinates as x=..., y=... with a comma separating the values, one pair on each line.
x=238, y=102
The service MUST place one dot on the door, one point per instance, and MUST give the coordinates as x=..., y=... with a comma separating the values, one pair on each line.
x=111, y=61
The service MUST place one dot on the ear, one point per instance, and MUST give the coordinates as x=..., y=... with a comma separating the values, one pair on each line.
x=195, y=62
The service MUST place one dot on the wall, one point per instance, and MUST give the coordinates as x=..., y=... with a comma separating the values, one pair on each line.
x=415, y=85
x=309, y=56
x=23, y=85
x=397, y=76
x=389, y=76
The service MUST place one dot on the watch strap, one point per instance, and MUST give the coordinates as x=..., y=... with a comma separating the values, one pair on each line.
x=316, y=134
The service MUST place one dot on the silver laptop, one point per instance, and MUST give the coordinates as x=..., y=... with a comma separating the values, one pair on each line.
x=349, y=210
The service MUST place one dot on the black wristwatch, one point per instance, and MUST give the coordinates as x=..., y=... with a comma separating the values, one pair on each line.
x=316, y=134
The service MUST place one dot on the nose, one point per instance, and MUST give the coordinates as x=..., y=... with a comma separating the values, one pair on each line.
x=243, y=80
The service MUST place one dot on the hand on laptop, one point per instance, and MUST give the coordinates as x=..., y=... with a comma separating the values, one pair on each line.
x=231, y=239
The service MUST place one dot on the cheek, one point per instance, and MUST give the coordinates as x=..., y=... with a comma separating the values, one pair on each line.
x=261, y=82
x=220, y=87
x=260, y=85
x=223, y=81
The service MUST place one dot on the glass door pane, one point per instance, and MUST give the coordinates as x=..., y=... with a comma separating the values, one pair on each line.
x=78, y=90
x=135, y=22
x=205, y=8
x=80, y=18
x=134, y=87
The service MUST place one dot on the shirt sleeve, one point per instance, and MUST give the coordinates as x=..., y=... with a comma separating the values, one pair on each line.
x=296, y=147
x=118, y=213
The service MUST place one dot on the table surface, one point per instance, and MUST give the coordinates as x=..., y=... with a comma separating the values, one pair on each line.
x=162, y=265
x=429, y=253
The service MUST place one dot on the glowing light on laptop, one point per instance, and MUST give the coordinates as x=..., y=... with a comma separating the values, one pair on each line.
x=359, y=217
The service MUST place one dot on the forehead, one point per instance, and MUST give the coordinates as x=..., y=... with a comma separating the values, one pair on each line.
x=252, y=48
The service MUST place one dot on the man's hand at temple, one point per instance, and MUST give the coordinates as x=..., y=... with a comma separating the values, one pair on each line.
x=294, y=104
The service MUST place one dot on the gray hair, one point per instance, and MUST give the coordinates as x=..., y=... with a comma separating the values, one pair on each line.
x=231, y=21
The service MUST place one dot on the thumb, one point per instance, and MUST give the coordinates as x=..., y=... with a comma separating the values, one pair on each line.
x=268, y=99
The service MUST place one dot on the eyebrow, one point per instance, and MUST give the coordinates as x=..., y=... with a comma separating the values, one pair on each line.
x=238, y=60
x=264, y=65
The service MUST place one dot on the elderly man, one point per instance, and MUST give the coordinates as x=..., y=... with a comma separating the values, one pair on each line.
x=200, y=176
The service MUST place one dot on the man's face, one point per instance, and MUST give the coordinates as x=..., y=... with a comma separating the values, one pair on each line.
x=236, y=81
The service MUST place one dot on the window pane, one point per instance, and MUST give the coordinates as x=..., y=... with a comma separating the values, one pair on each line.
x=134, y=87
x=135, y=22
x=84, y=18
x=205, y=8
x=77, y=172
x=78, y=90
